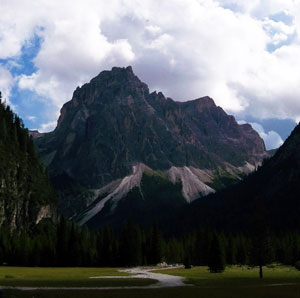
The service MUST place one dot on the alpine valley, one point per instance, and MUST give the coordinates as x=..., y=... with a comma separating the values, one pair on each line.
x=154, y=180
x=119, y=151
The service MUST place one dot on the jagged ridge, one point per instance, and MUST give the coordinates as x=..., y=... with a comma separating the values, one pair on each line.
x=114, y=123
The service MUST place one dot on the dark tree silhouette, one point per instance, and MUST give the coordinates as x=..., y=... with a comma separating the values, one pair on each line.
x=261, y=252
x=217, y=260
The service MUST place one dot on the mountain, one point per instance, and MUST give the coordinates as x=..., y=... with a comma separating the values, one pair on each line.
x=114, y=134
x=272, y=191
x=26, y=195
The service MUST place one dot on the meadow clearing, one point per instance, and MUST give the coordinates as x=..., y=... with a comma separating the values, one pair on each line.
x=235, y=282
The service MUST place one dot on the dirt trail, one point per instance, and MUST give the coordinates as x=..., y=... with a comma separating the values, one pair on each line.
x=164, y=280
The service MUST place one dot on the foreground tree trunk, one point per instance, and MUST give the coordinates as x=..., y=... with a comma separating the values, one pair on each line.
x=260, y=271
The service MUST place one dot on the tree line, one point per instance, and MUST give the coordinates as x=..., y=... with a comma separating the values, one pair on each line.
x=66, y=244
x=12, y=132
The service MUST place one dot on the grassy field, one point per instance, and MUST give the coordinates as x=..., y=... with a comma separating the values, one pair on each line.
x=65, y=277
x=235, y=282
x=235, y=276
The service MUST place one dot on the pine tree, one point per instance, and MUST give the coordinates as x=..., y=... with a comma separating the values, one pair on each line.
x=156, y=246
x=106, y=244
x=241, y=250
x=131, y=245
x=217, y=255
x=74, y=257
x=261, y=252
x=174, y=251
x=62, y=242
x=3, y=129
x=231, y=251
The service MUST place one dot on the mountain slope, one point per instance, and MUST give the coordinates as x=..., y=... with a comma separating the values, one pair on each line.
x=153, y=198
x=26, y=195
x=273, y=191
x=114, y=125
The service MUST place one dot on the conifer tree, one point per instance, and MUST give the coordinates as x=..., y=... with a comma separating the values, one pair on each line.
x=3, y=129
x=261, y=252
x=231, y=251
x=131, y=245
x=241, y=250
x=217, y=255
x=62, y=242
x=156, y=245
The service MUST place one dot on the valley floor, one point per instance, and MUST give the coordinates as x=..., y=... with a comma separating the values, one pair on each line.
x=235, y=282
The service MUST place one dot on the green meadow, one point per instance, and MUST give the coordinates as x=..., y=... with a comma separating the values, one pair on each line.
x=235, y=276
x=235, y=282
x=66, y=277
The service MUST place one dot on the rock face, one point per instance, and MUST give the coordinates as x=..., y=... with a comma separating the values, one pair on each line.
x=114, y=124
x=35, y=134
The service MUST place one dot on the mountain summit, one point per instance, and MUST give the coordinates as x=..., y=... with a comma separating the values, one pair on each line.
x=114, y=132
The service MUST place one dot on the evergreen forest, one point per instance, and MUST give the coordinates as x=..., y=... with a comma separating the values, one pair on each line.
x=66, y=244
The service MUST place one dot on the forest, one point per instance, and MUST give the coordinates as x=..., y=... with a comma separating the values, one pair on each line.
x=25, y=186
x=66, y=244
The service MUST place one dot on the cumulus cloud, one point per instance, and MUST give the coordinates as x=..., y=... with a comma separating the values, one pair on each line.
x=31, y=118
x=278, y=31
x=259, y=8
x=73, y=49
x=271, y=138
x=244, y=54
x=6, y=83
x=49, y=126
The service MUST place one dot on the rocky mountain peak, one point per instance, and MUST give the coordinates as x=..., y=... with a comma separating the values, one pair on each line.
x=202, y=103
x=121, y=80
x=119, y=86
x=205, y=103
x=113, y=123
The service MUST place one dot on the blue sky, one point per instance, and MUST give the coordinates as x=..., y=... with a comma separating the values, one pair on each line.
x=245, y=55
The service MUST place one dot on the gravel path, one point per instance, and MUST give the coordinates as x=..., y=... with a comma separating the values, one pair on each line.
x=164, y=280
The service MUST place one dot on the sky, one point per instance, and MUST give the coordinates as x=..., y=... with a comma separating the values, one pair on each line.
x=243, y=54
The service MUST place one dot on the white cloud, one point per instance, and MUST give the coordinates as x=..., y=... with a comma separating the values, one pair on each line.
x=278, y=31
x=73, y=50
x=6, y=83
x=259, y=8
x=49, y=126
x=154, y=30
x=187, y=49
x=272, y=139
x=31, y=118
